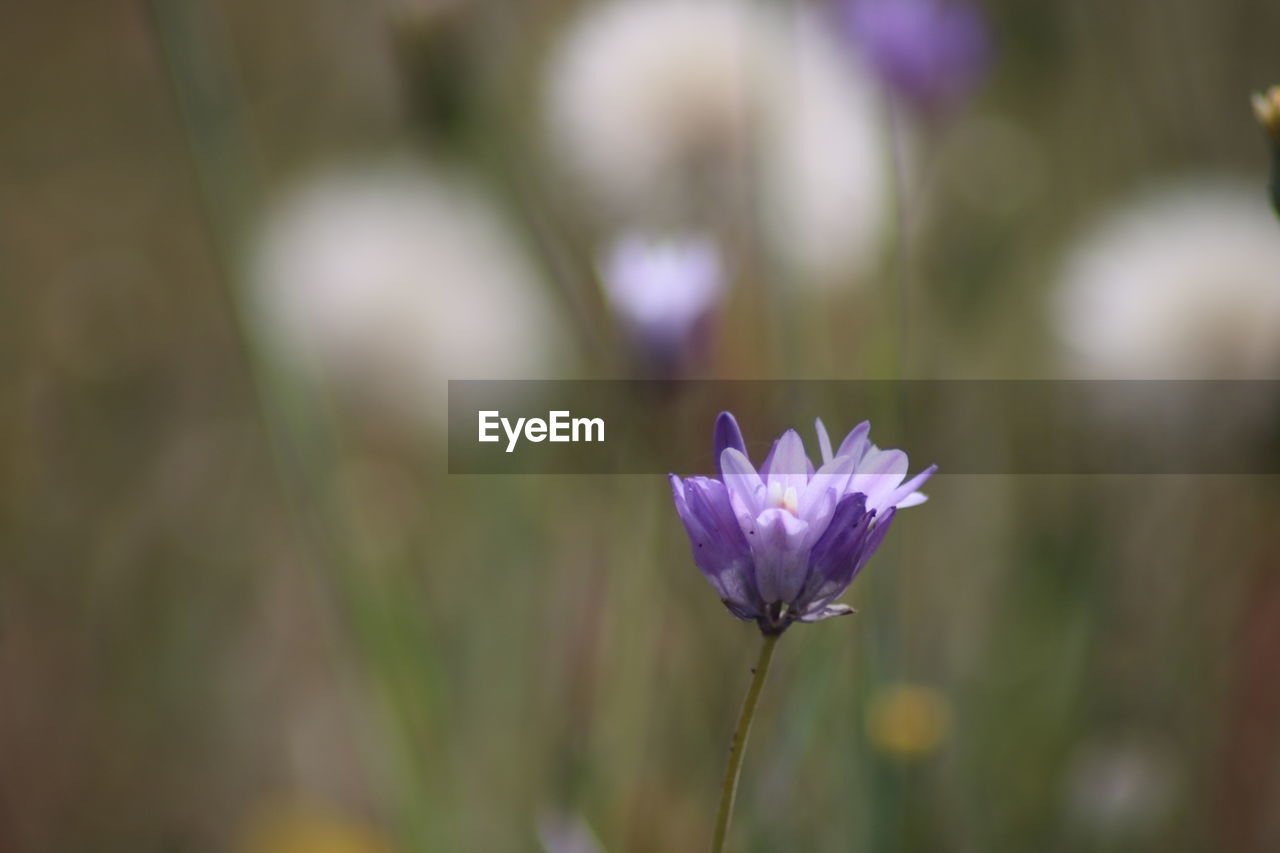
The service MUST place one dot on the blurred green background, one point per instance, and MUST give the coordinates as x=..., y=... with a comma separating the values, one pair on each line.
x=241, y=609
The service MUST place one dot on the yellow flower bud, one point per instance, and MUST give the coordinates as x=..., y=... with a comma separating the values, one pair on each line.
x=309, y=829
x=908, y=721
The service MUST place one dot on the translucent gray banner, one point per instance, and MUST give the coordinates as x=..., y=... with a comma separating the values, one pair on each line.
x=966, y=427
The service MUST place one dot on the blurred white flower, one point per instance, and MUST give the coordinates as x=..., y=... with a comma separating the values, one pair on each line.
x=652, y=102
x=1182, y=283
x=1120, y=786
x=390, y=281
x=671, y=109
x=562, y=833
x=828, y=167
x=663, y=293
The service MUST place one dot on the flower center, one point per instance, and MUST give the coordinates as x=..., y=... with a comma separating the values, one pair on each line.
x=787, y=499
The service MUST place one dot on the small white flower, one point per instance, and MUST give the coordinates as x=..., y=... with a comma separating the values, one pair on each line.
x=1181, y=283
x=1120, y=786
x=663, y=292
x=390, y=281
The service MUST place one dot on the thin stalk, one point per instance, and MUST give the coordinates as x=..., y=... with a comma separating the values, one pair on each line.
x=901, y=225
x=196, y=52
x=739, y=744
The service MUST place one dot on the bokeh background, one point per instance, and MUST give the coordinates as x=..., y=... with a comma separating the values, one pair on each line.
x=244, y=607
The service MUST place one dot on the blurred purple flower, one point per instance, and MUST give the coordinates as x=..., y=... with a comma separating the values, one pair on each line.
x=663, y=294
x=930, y=52
x=779, y=545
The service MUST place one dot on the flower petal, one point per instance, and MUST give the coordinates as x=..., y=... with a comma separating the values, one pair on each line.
x=910, y=489
x=833, y=475
x=788, y=464
x=818, y=514
x=878, y=475
x=826, y=585
x=817, y=614
x=709, y=500
x=726, y=434
x=777, y=546
x=833, y=557
x=913, y=499
x=855, y=444
x=742, y=481
x=719, y=548
x=824, y=440
x=879, y=529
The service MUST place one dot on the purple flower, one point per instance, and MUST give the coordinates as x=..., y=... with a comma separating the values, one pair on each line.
x=782, y=543
x=931, y=52
x=663, y=294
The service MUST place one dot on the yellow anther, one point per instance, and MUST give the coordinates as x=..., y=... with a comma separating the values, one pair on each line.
x=791, y=501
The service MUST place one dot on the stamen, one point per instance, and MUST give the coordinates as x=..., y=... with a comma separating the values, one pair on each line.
x=791, y=501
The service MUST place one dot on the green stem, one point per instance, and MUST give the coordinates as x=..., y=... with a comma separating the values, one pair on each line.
x=739, y=744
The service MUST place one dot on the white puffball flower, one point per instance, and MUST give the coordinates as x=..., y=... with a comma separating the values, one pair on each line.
x=1181, y=283
x=647, y=96
x=665, y=108
x=828, y=172
x=391, y=280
